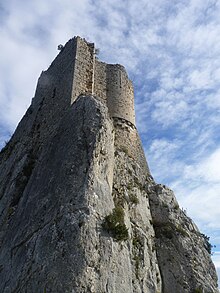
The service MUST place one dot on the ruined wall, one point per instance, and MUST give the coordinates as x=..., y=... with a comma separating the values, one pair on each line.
x=100, y=84
x=113, y=85
x=59, y=76
x=83, y=78
x=76, y=71
x=53, y=93
x=120, y=95
x=72, y=71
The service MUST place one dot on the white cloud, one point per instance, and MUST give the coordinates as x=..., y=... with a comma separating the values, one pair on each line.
x=160, y=147
x=170, y=111
x=200, y=79
x=202, y=202
x=207, y=170
x=198, y=189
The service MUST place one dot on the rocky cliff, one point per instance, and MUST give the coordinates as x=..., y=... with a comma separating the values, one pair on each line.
x=80, y=212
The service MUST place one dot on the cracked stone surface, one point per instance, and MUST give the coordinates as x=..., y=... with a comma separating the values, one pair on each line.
x=182, y=251
x=58, y=182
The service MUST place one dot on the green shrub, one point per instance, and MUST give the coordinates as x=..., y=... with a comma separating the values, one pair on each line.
x=136, y=241
x=208, y=245
x=198, y=290
x=114, y=224
x=181, y=231
x=176, y=206
x=133, y=198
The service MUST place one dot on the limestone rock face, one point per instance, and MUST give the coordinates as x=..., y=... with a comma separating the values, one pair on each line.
x=55, y=200
x=183, y=252
x=79, y=210
x=47, y=213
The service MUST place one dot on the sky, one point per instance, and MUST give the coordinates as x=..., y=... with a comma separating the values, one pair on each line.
x=171, y=52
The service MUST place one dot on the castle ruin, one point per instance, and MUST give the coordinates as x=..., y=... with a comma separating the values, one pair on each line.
x=77, y=71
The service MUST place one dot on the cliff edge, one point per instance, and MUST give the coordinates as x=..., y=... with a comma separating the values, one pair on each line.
x=79, y=209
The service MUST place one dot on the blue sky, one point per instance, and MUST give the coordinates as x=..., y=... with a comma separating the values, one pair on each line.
x=171, y=51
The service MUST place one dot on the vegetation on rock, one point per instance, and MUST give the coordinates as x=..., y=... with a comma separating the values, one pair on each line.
x=114, y=224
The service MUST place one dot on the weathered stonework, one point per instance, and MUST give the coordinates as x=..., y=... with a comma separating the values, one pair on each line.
x=109, y=82
x=77, y=71
x=79, y=210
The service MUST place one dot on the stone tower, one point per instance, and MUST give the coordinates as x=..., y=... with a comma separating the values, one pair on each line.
x=78, y=64
x=76, y=71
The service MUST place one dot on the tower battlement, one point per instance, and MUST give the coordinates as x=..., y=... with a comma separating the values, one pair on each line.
x=78, y=66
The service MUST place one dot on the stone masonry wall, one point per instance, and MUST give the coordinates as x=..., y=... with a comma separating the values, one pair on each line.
x=53, y=93
x=76, y=71
x=112, y=84
x=83, y=78
x=120, y=95
x=100, y=85
x=59, y=76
